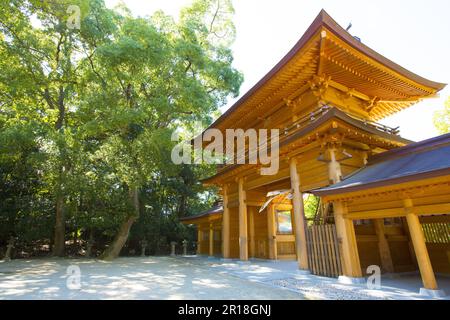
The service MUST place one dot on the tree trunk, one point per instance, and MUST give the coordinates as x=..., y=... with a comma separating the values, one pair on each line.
x=60, y=223
x=182, y=206
x=90, y=243
x=60, y=228
x=121, y=237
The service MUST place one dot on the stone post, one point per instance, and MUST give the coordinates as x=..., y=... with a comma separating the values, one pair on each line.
x=172, y=248
x=185, y=243
x=9, y=248
x=89, y=245
x=144, y=244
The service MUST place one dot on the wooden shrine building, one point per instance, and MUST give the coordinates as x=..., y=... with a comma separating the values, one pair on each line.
x=410, y=188
x=325, y=97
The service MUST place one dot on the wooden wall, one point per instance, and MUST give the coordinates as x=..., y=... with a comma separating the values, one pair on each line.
x=402, y=253
x=440, y=257
x=234, y=233
x=399, y=246
x=218, y=242
x=261, y=240
x=286, y=247
x=204, y=241
x=367, y=246
x=285, y=243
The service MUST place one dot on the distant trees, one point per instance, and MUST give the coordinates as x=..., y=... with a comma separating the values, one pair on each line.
x=442, y=118
x=86, y=117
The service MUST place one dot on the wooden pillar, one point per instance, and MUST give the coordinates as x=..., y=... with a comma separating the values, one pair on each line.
x=347, y=241
x=211, y=240
x=420, y=248
x=299, y=217
x=225, y=225
x=243, y=242
x=199, y=240
x=410, y=244
x=345, y=229
x=251, y=231
x=271, y=232
x=383, y=246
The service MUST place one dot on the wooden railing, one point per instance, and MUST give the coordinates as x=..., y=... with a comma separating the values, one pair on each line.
x=378, y=126
x=313, y=116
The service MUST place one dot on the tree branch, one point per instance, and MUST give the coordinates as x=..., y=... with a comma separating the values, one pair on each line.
x=61, y=109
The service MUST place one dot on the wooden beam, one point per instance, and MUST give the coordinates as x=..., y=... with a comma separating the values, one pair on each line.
x=434, y=219
x=420, y=248
x=243, y=240
x=423, y=210
x=441, y=182
x=255, y=203
x=301, y=151
x=375, y=214
x=299, y=217
x=283, y=173
x=431, y=209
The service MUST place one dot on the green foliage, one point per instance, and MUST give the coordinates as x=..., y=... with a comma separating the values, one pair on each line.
x=442, y=118
x=311, y=206
x=86, y=115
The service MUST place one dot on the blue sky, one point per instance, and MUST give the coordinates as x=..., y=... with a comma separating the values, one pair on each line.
x=412, y=33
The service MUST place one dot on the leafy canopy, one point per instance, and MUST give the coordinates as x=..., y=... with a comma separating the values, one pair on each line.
x=86, y=114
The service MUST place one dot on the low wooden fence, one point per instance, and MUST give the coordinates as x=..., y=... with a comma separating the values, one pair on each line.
x=436, y=232
x=437, y=237
x=323, y=250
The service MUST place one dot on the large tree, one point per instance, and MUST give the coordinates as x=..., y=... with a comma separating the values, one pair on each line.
x=40, y=63
x=100, y=101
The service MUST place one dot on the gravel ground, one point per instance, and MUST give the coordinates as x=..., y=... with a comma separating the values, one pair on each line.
x=128, y=278
x=285, y=274
x=183, y=278
x=324, y=290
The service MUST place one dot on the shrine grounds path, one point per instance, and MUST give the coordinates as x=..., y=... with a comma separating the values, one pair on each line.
x=196, y=278
x=129, y=278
